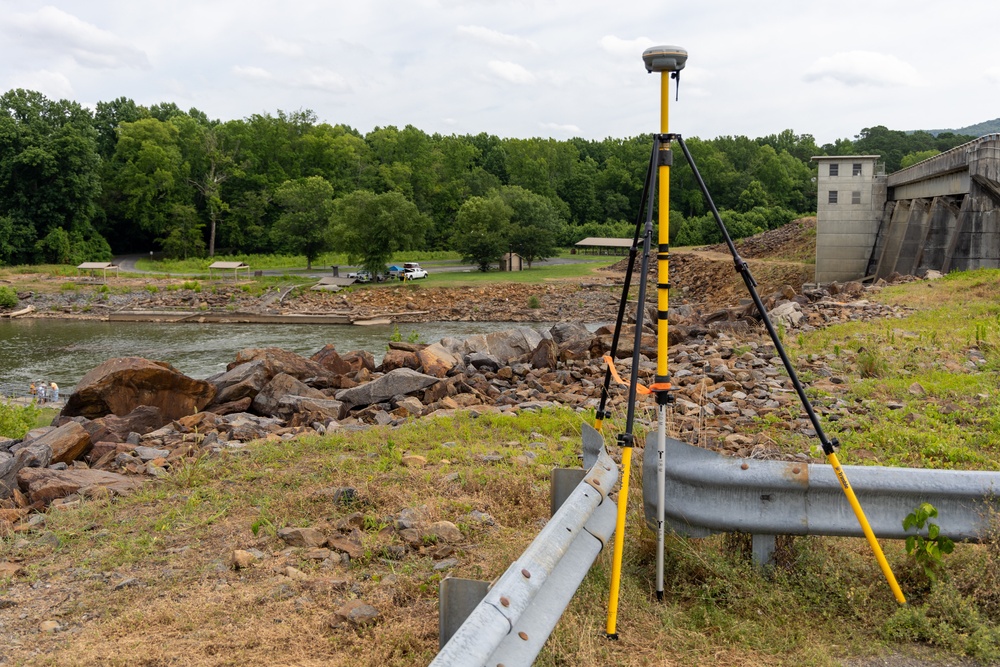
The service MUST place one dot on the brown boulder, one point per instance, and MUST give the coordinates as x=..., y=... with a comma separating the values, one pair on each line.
x=330, y=359
x=360, y=360
x=142, y=420
x=67, y=442
x=394, y=359
x=436, y=360
x=275, y=399
x=119, y=386
x=280, y=361
x=546, y=354
x=45, y=484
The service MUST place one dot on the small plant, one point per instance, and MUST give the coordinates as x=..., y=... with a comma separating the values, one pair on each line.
x=836, y=350
x=192, y=285
x=152, y=289
x=533, y=302
x=8, y=297
x=69, y=287
x=927, y=551
x=396, y=336
x=413, y=337
x=871, y=364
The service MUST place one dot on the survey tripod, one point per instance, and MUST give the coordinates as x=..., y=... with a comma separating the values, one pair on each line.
x=669, y=61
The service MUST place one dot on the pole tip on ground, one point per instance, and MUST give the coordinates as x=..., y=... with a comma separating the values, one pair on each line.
x=659, y=596
x=611, y=636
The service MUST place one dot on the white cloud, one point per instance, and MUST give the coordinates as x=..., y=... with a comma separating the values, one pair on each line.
x=283, y=48
x=992, y=74
x=511, y=72
x=625, y=47
x=495, y=38
x=56, y=31
x=321, y=78
x=253, y=73
x=563, y=128
x=53, y=85
x=864, y=68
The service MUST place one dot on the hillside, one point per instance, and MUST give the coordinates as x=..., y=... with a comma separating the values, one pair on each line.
x=977, y=130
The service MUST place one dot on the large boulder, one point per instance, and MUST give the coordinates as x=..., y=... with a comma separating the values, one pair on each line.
x=394, y=383
x=46, y=484
x=278, y=397
x=242, y=381
x=119, y=386
x=142, y=420
x=281, y=361
x=437, y=360
x=394, y=359
x=330, y=359
x=11, y=465
x=563, y=332
x=504, y=345
x=67, y=442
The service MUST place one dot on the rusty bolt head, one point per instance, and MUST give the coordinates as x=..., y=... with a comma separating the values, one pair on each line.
x=744, y=467
x=525, y=574
x=796, y=470
x=523, y=635
x=505, y=601
x=597, y=482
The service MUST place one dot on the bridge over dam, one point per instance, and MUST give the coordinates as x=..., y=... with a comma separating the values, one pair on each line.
x=940, y=214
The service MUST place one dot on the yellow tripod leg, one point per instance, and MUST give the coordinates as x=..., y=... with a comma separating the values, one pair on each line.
x=616, y=567
x=869, y=535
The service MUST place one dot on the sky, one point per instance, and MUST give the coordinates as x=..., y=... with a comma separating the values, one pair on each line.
x=522, y=68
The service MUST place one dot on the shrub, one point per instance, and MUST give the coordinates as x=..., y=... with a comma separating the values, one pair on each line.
x=16, y=421
x=8, y=297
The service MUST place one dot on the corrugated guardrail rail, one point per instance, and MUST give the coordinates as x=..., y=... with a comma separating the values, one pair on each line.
x=521, y=608
x=707, y=492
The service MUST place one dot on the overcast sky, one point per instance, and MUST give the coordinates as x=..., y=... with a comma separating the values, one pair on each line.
x=522, y=68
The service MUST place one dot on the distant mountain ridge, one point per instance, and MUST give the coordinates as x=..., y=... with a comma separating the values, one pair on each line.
x=977, y=130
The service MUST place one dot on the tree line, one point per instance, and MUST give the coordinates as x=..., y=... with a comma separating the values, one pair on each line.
x=79, y=184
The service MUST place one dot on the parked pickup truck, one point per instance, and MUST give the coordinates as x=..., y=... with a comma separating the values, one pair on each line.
x=413, y=273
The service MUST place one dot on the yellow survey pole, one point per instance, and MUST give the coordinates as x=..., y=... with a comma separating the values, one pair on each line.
x=663, y=252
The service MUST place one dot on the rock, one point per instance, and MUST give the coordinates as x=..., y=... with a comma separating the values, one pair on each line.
x=437, y=360
x=347, y=546
x=45, y=484
x=411, y=405
x=242, y=381
x=394, y=383
x=150, y=453
x=275, y=399
x=10, y=570
x=394, y=359
x=302, y=537
x=564, y=332
x=360, y=360
x=296, y=574
x=546, y=354
x=49, y=626
x=916, y=389
x=329, y=359
x=482, y=361
x=11, y=464
x=504, y=345
x=445, y=531
x=281, y=361
x=141, y=420
x=354, y=613
x=413, y=461
x=67, y=442
x=789, y=314
x=240, y=559
x=120, y=385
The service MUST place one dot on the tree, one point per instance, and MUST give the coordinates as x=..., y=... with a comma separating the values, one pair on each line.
x=303, y=228
x=482, y=230
x=219, y=164
x=370, y=227
x=535, y=225
x=911, y=159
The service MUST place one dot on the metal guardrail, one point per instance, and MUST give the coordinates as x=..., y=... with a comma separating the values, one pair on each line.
x=522, y=607
x=707, y=492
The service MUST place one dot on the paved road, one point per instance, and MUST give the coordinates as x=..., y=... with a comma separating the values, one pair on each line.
x=128, y=264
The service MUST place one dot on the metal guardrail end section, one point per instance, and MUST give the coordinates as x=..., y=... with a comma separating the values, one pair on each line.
x=510, y=624
x=706, y=492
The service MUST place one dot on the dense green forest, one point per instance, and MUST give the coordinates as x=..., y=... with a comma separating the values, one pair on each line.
x=81, y=185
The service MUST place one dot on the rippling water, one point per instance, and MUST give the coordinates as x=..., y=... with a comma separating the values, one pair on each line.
x=65, y=350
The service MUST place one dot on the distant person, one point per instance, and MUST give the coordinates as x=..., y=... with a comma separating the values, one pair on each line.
x=54, y=392
x=41, y=392
x=32, y=390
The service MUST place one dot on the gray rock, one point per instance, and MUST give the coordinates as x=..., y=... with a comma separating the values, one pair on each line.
x=399, y=381
x=273, y=399
x=564, y=332
x=504, y=345
x=150, y=453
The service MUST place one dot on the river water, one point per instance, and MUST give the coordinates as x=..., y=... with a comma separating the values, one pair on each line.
x=63, y=351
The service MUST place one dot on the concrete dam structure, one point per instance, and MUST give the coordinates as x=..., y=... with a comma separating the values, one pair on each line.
x=941, y=214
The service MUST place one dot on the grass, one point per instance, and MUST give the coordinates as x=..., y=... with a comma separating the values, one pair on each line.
x=279, y=262
x=153, y=565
